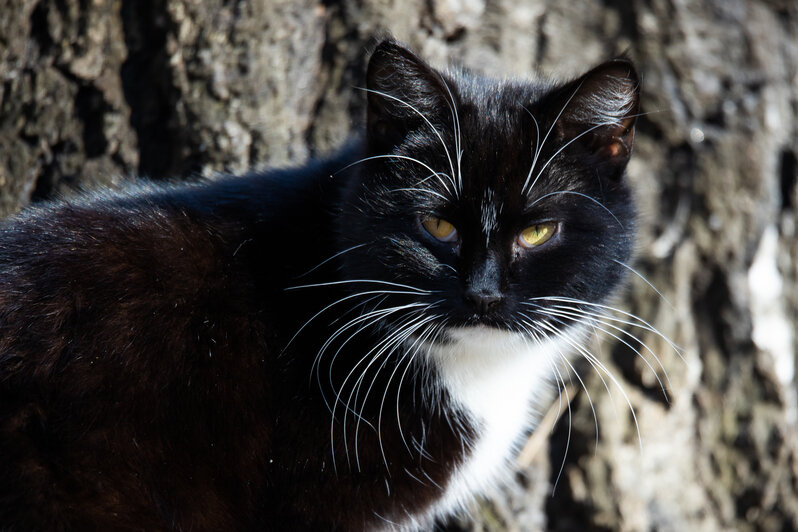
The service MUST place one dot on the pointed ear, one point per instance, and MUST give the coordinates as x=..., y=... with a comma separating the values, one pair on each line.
x=403, y=91
x=599, y=111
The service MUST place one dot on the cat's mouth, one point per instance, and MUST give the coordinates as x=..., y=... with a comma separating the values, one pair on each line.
x=486, y=322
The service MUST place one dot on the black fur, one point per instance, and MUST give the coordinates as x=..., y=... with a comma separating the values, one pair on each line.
x=157, y=352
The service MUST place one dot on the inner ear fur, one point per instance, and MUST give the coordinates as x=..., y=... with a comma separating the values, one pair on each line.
x=599, y=111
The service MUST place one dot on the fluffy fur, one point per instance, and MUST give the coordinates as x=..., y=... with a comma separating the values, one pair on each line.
x=292, y=349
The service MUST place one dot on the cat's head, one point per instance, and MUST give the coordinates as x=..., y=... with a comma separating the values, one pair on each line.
x=487, y=202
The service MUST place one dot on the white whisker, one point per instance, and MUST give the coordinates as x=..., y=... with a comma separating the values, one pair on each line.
x=570, y=428
x=645, y=325
x=548, y=132
x=375, y=281
x=577, y=137
x=458, y=146
x=371, y=318
x=341, y=300
x=419, y=113
x=640, y=275
x=322, y=263
x=590, y=357
x=409, y=352
x=440, y=328
x=594, y=200
x=406, y=158
x=424, y=190
x=573, y=315
x=410, y=329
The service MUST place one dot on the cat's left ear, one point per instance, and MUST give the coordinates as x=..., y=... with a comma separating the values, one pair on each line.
x=599, y=111
x=404, y=93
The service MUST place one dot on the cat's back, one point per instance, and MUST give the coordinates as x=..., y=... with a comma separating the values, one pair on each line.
x=126, y=319
x=118, y=263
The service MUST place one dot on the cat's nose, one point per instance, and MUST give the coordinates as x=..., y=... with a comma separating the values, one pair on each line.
x=483, y=301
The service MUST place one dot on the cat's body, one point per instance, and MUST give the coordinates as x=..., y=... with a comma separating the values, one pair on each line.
x=302, y=349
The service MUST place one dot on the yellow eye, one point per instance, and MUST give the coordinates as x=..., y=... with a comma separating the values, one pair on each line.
x=440, y=229
x=537, y=234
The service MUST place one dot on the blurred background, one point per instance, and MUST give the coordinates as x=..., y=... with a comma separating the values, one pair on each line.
x=93, y=92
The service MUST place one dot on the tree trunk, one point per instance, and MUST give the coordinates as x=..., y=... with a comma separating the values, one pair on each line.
x=92, y=92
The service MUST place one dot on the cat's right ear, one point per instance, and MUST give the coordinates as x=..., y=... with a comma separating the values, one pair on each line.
x=598, y=112
x=404, y=93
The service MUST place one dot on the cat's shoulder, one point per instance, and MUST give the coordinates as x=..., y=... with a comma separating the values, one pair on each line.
x=116, y=232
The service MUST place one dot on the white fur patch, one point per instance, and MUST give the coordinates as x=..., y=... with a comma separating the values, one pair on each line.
x=489, y=214
x=612, y=102
x=503, y=381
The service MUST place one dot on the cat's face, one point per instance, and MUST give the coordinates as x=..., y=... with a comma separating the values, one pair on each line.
x=486, y=202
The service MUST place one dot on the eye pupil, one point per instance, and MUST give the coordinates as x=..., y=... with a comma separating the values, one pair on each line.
x=439, y=229
x=536, y=235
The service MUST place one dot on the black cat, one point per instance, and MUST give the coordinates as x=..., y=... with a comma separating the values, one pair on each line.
x=360, y=343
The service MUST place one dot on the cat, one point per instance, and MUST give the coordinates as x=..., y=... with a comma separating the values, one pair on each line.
x=360, y=343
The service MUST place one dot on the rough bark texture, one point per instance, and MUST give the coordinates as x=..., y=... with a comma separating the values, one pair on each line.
x=93, y=91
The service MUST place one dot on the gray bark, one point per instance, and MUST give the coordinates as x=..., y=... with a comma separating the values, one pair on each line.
x=94, y=92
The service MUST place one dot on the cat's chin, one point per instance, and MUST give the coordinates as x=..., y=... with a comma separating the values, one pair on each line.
x=482, y=332
x=464, y=331
x=482, y=323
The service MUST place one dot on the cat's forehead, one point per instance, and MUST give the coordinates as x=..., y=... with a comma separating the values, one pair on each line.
x=498, y=130
x=498, y=138
x=492, y=95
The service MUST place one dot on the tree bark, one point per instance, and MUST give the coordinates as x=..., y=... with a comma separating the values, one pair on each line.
x=93, y=92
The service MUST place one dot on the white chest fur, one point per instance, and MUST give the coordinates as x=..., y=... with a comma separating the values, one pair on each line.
x=504, y=382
